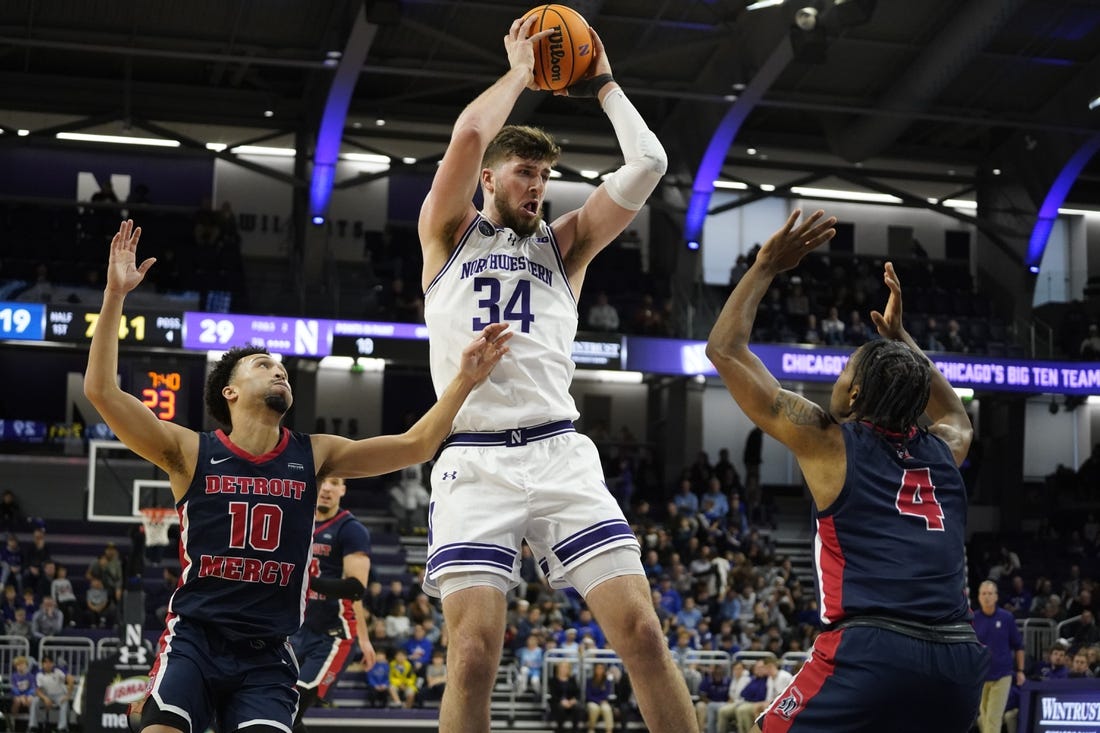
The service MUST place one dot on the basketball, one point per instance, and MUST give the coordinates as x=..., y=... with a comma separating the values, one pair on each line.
x=563, y=57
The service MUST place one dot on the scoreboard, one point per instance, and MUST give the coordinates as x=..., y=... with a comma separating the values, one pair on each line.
x=76, y=324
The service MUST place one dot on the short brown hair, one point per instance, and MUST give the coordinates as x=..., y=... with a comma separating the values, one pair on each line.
x=521, y=141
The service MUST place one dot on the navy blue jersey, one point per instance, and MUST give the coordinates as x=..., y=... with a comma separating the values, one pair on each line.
x=246, y=534
x=893, y=541
x=334, y=539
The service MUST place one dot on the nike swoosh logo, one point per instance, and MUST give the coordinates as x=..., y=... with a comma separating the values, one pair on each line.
x=215, y=461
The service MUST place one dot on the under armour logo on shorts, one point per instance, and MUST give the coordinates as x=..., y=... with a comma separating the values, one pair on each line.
x=448, y=476
x=790, y=704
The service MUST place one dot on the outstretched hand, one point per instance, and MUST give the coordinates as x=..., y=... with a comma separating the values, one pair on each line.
x=786, y=248
x=889, y=322
x=479, y=358
x=123, y=274
x=520, y=46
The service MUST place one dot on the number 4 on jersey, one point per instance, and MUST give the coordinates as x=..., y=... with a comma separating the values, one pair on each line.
x=917, y=498
x=518, y=307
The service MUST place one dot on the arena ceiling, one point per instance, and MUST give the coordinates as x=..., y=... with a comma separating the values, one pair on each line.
x=928, y=96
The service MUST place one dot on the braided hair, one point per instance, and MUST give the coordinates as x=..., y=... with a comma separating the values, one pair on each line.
x=219, y=376
x=894, y=384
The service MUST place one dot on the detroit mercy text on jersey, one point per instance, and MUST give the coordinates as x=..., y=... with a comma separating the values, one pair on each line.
x=493, y=276
x=892, y=543
x=246, y=534
x=333, y=539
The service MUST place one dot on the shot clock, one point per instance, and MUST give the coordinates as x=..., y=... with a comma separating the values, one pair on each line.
x=160, y=392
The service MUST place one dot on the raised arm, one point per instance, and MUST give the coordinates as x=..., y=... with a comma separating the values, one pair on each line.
x=584, y=232
x=338, y=456
x=789, y=418
x=169, y=446
x=449, y=204
x=949, y=419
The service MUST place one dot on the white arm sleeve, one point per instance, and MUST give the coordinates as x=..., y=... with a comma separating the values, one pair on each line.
x=645, y=158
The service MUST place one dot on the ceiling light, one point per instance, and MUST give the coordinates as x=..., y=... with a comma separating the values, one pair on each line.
x=216, y=147
x=1080, y=212
x=590, y=174
x=767, y=187
x=120, y=139
x=750, y=151
x=555, y=174
x=996, y=171
x=263, y=150
x=22, y=133
x=761, y=4
x=1094, y=103
x=739, y=86
x=828, y=193
x=269, y=113
x=408, y=161
x=734, y=185
x=960, y=204
x=366, y=157
x=333, y=54
x=357, y=125
x=380, y=123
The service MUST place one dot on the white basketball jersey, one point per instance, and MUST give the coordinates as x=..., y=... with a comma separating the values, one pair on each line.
x=493, y=276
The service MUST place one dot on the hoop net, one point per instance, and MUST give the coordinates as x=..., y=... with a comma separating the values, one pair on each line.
x=156, y=520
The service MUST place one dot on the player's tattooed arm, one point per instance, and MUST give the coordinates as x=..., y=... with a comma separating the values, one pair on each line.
x=799, y=410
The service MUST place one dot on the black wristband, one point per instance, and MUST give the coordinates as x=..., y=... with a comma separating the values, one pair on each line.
x=589, y=87
x=337, y=588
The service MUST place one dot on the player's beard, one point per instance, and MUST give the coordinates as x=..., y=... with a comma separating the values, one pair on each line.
x=277, y=402
x=510, y=218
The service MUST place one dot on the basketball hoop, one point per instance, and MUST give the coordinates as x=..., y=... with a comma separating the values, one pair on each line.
x=156, y=520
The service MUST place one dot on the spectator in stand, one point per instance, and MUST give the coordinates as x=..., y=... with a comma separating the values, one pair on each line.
x=108, y=569
x=46, y=621
x=9, y=603
x=46, y=577
x=62, y=591
x=435, y=680
x=996, y=628
x=398, y=625
x=18, y=626
x=1019, y=598
x=11, y=514
x=832, y=328
x=564, y=697
x=55, y=689
x=932, y=340
x=1090, y=347
x=598, y=691
x=1085, y=631
x=740, y=267
x=857, y=332
x=714, y=693
x=686, y=500
x=1055, y=666
x=690, y=615
x=378, y=679
x=1007, y=564
x=24, y=688
x=721, y=505
x=99, y=609
x=647, y=319
x=587, y=627
x=1094, y=659
x=35, y=557
x=403, y=680
x=529, y=664
x=739, y=680
x=1079, y=667
x=603, y=316
x=11, y=563
x=418, y=648
x=953, y=339
x=812, y=333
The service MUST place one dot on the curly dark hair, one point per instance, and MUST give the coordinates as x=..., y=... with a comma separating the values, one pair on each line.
x=521, y=141
x=220, y=376
x=894, y=385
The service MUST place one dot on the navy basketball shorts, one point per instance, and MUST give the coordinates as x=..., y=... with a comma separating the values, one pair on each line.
x=202, y=680
x=322, y=656
x=870, y=680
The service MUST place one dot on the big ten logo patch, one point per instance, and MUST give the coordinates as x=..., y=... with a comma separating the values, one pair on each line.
x=790, y=704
